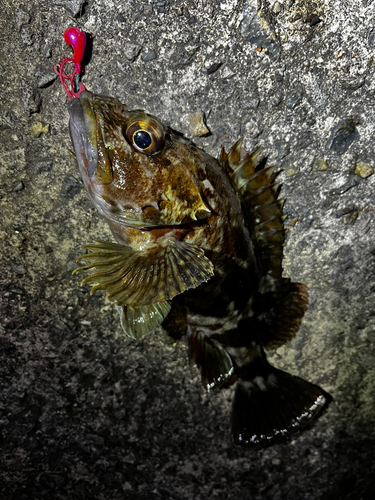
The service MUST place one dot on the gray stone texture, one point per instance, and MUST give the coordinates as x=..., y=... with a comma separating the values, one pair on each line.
x=86, y=413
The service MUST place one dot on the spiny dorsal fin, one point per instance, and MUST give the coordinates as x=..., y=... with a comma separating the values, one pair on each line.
x=260, y=192
x=140, y=278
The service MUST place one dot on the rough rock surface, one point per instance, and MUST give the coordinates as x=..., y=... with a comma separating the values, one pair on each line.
x=88, y=414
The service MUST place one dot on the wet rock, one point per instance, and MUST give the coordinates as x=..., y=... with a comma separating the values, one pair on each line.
x=27, y=35
x=120, y=18
x=253, y=102
x=371, y=38
x=19, y=186
x=22, y=18
x=253, y=32
x=276, y=99
x=38, y=128
x=45, y=77
x=19, y=224
x=70, y=187
x=19, y=269
x=42, y=165
x=282, y=148
x=290, y=172
x=344, y=211
x=315, y=20
x=302, y=114
x=345, y=187
x=294, y=95
x=342, y=136
x=290, y=212
x=320, y=164
x=310, y=120
x=191, y=49
x=46, y=52
x=354, y=84
x=150, y=56
x=279, y=75
x=252, y=128
x=131, y=51
x=364, y=170
x=197, y=124
x=8, y=120
x=213, y=68
x=276, y=9
x=227, y=72
x=30, y=98
x=293, y=98
x=72, y=6
x=305, y=140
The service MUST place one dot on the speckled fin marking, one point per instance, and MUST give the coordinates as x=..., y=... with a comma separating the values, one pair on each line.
x=139, y=321
x=273, y=406
x=140, y=278
x=281, y=304
x=280, y=308
x=260, y=192
x=212, y=359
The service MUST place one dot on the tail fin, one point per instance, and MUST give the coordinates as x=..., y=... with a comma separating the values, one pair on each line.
x=266, y=408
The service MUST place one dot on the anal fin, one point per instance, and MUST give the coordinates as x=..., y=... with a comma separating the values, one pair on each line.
x=267, y=408
x=212, y=359
x=139, y=321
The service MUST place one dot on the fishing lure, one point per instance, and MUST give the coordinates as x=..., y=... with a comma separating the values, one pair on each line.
x=76, y=40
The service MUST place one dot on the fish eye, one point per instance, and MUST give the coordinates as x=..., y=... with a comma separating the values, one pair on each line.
x=142, y=139
x=145, y=134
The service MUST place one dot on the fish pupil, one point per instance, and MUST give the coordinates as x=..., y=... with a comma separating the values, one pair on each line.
x=142, y=139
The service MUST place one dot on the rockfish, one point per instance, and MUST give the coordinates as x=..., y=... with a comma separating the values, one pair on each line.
x=199, y=248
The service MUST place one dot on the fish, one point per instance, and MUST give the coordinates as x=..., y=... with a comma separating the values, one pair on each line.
x=198, y=250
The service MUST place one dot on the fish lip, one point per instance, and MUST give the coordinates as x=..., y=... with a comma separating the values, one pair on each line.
x=82, y=128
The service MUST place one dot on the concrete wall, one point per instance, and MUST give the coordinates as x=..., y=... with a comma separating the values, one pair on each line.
x=87, y=413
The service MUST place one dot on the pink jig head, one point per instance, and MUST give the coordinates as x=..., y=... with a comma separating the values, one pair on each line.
x=76, y=39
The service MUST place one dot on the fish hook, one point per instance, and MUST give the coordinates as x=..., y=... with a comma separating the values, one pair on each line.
x=76, y=40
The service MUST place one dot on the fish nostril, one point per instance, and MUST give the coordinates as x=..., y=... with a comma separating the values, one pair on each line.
x=150, y=212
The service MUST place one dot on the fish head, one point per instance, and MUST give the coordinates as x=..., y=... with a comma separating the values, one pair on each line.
x=137, y=171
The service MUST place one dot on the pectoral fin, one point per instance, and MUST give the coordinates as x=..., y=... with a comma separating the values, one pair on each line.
x=140, y=278
x=139, y=321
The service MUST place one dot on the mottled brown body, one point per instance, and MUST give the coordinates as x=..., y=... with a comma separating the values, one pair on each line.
x=203, y=237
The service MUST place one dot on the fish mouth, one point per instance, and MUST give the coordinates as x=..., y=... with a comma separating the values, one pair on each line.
x=82, y=128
